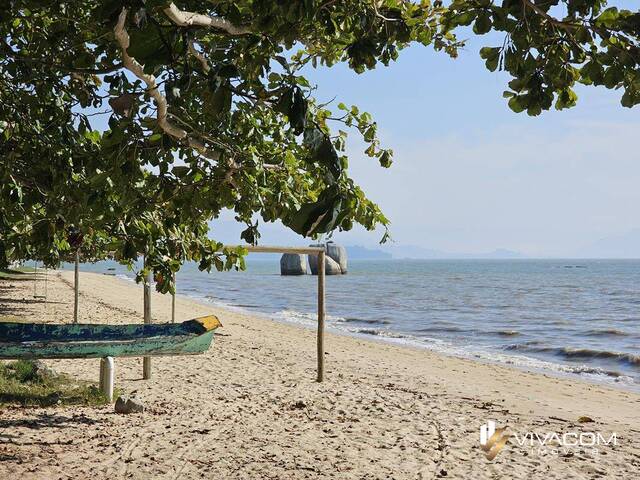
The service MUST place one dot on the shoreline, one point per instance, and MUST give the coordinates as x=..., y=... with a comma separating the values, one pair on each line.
x=405, y=341
x=402, y=340
x=250, y=408
x=558, y=367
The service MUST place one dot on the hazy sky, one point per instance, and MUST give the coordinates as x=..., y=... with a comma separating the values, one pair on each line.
x=471, y=176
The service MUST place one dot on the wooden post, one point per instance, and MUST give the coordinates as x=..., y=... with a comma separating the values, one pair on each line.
x=76, y=286
x=320, y=252
x=173, y=301
x=35, y=278
x=146, y=361
x=106, y=376
x=320, y=338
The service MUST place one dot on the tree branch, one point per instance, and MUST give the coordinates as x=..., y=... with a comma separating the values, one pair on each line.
x=379, y=15
x=134, y=67
x=188, y=19
x=527, y=4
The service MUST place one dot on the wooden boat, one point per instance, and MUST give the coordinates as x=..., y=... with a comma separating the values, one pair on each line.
x=45, y=340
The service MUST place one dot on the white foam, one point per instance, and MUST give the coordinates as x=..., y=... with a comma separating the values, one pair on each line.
x=123, y=276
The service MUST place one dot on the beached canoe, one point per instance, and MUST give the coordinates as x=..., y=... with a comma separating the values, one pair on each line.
x=42, y=340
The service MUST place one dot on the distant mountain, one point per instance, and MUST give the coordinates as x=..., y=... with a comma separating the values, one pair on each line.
x=357, y=252
x=413, y=251
x=626, y=245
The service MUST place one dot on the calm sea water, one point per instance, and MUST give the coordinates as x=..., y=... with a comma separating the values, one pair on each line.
x=575, y=317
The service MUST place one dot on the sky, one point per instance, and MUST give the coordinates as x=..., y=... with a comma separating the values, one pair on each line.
x=469, y=175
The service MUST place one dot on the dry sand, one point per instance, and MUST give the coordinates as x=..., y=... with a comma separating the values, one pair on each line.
x=249, y=408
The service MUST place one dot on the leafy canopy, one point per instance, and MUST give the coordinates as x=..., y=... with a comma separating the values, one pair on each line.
x=206, y=108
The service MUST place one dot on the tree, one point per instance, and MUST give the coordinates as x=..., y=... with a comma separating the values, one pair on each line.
x=550, y=45
x=208, y=110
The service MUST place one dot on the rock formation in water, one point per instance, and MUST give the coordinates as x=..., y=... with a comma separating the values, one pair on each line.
x=335, y=260
x=339, y=254
x=293, y=264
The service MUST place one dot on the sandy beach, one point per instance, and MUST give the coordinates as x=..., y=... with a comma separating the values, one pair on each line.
x=250, y=407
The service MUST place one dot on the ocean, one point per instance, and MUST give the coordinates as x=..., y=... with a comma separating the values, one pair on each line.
x=568, y=317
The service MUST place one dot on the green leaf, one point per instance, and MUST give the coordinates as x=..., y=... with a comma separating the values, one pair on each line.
x=323, y=151
x=607, y=18
x=284, y=103
x=491, y=56
x=516, y=104
x=317, y=217
x=630, y=98
x=298, y=112
x=464, y=18
x=386, y=159
x=566, y=99
x=613, y=76
x=149, y=48
x=482, y=24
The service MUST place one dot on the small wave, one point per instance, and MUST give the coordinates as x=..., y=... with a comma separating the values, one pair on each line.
x=606, y=332
x=379, y=333
x=303, y=317
x=506, y=333
x=578, y=353
x=500, y=333
x=530, y=345
x=596, y=373
x=367, y=321
x=585, y=370
x=439, y=329
x=628, y=358
x=368, y=331
x=500, y=307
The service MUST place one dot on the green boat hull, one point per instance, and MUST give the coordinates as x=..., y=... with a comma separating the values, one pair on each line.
x=40, y=341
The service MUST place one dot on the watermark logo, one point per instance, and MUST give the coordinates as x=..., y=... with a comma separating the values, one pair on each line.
x=492, y=439
x=555, y=443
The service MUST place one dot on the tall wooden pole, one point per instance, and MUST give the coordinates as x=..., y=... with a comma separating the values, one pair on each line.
x=320, y=317
x=76, y=286
x=146, y=361
x=173, y=301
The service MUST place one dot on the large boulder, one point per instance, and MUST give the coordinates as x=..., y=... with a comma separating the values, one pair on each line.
x=339, y=254
x=331, y=267
x=313, y=260
x=293, y=264
x=335, y=259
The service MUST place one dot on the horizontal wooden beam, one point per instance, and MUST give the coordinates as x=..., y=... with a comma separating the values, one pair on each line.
x=269, y=249
x=276, y=249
